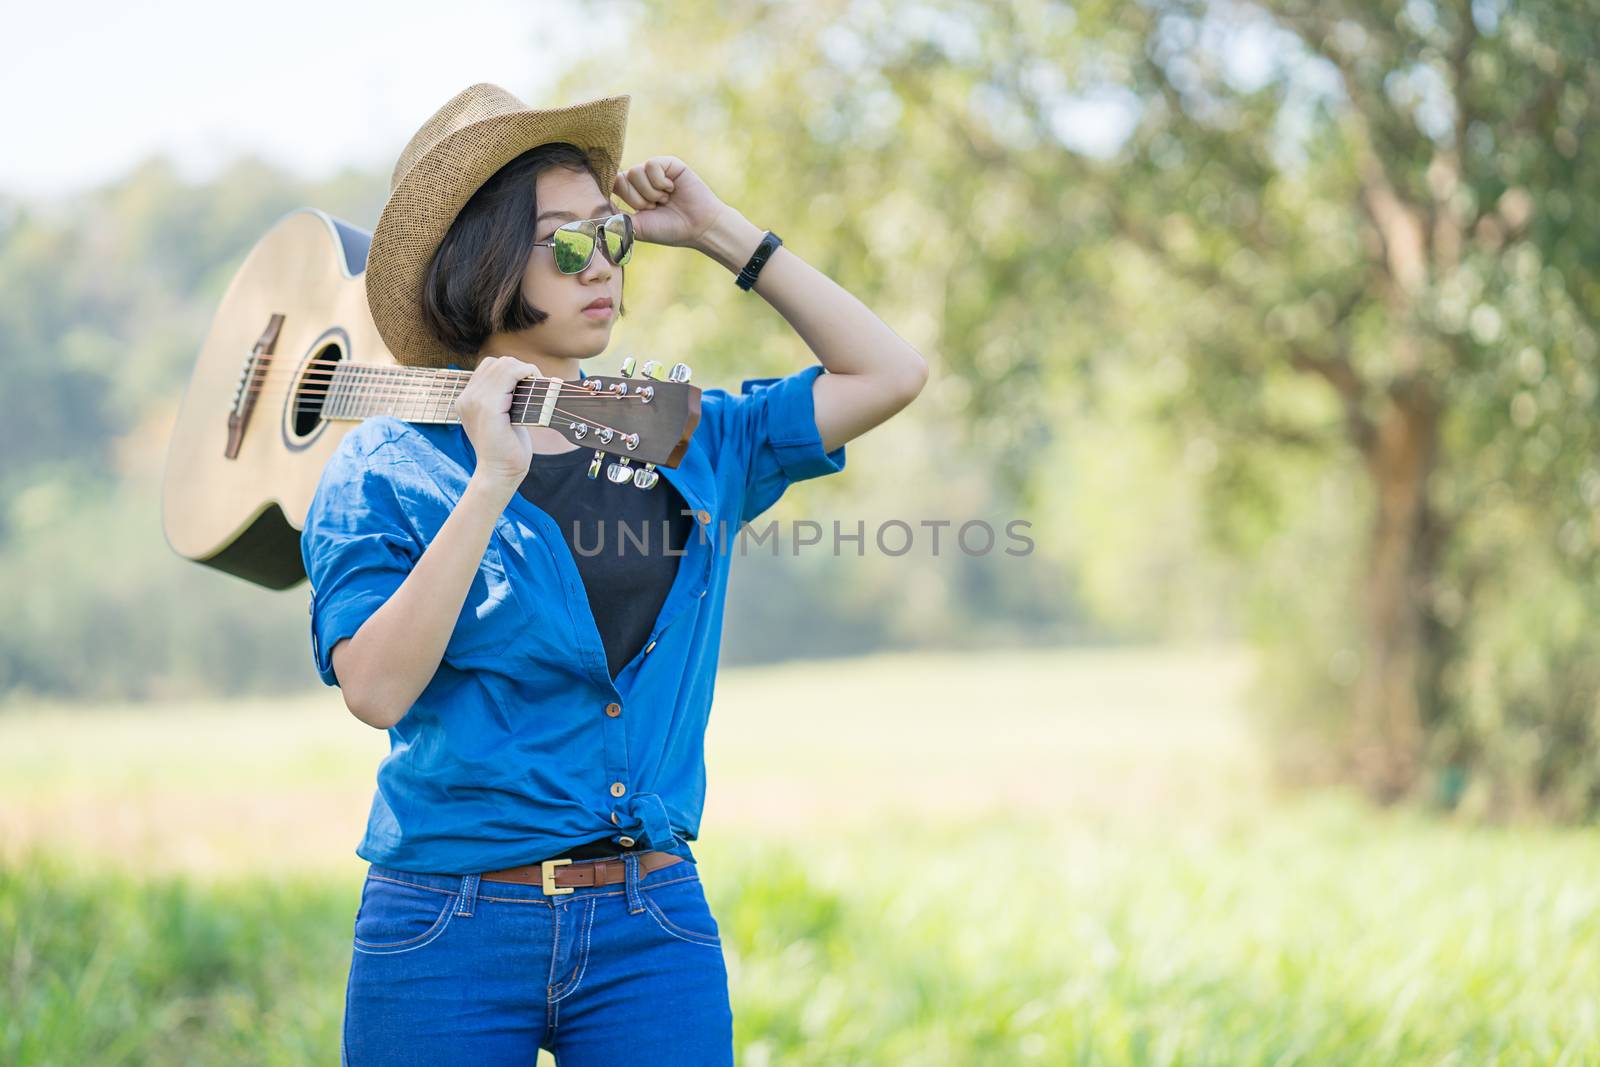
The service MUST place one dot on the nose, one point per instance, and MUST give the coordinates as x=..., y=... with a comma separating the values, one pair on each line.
x=599, y=268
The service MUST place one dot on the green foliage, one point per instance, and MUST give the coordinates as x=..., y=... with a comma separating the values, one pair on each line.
x=1331, y=257
x=1184, y=346
x=1323, y=933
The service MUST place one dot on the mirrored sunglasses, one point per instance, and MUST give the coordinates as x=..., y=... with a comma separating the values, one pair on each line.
x=574, y=243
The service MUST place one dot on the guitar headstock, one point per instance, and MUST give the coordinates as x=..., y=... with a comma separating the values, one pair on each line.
x=646, y=420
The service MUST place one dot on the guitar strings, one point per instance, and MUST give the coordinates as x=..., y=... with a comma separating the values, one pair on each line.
x=385, y=384
x=384, y=381
x=401, y=390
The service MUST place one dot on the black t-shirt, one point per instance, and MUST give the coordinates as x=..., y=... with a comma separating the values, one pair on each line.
x=619, y=537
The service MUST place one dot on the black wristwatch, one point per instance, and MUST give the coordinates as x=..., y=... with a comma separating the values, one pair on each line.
x=769, y=244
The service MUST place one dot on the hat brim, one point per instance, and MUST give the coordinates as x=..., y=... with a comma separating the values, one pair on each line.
x=428, y=197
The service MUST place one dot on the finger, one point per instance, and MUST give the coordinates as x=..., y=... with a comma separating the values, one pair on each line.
x=657, y=175
x=624, y=189
x=514, y=370
x=636, y=177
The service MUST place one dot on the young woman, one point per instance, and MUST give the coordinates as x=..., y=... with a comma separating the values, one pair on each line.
x=530, y=882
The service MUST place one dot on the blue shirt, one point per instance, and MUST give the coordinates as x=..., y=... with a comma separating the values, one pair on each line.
x=522, y=746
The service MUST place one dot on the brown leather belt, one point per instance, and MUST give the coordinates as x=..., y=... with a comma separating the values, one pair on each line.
x=564, y=875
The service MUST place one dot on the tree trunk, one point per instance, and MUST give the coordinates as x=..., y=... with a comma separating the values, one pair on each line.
x=1399, y=662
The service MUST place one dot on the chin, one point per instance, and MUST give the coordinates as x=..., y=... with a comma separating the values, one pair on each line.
x=595, y=347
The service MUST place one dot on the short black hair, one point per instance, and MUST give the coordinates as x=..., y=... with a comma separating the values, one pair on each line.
x=473, y=285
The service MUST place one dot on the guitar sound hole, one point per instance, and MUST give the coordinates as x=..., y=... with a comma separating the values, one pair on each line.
x=311, y=390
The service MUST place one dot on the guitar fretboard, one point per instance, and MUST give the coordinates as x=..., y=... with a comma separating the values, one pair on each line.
x=415, y=394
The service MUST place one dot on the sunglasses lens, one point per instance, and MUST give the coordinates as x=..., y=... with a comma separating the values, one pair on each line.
x=619, y=239
x=572, y=247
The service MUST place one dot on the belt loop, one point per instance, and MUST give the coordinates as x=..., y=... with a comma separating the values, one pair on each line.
x=630, y=868
x=469, y=895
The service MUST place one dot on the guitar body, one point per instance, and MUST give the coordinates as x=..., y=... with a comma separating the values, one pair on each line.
x=293, y=360
x=243, y=514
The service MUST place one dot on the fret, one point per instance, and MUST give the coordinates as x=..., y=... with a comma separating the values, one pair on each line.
x=456, y=383
x=354, y=397
x=385, y=391
x=352, y=392
x=414, y=395
x=395, y=392
x=330, y=398
x=423, y=382
x=340, y=390
x=402, y=401
x=537, y=387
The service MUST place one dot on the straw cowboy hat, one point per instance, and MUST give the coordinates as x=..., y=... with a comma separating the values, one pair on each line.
x=478, y=131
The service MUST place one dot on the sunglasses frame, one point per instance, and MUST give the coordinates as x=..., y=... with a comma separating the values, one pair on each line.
x=598, y=224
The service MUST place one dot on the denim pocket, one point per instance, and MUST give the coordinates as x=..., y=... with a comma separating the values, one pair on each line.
x=680, y=908
x=395, y=917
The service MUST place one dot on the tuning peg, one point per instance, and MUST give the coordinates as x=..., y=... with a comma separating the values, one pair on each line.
x=594, y=464
x=680, y=373
x=646, y=476
x=627, y=367
x=619, y=471
x=652, y=368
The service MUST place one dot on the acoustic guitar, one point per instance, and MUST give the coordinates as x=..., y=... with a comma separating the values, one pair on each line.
x=293, y=360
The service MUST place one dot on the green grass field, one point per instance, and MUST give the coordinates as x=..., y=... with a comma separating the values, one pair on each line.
x=1053, y=858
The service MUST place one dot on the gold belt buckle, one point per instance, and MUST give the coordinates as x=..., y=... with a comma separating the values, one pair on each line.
x=548, y=869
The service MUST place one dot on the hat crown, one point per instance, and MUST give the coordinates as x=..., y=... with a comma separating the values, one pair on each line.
x=475, y=103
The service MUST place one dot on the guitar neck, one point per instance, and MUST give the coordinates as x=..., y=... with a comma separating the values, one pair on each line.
x=415, y=394
x=646, y=419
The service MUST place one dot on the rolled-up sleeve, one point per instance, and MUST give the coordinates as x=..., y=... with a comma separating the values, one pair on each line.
x=357, y=547
x=778, y=425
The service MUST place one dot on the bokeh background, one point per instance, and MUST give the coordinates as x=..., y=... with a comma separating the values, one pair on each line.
x=1276, y=322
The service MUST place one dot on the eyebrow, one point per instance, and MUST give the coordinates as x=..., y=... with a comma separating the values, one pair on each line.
x=603, y=209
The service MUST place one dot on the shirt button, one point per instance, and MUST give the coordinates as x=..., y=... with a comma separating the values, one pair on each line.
x=617, y=789
x=648, y=647
x=616, y=821
x=703, y=515
x=625, y=842
x=613, y=710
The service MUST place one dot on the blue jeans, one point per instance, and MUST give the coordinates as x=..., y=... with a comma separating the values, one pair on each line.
x=453, y=969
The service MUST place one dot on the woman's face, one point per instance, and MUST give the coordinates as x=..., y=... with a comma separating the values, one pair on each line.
x=563, y=195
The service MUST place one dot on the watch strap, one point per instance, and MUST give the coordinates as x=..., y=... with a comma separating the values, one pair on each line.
x=769, y=244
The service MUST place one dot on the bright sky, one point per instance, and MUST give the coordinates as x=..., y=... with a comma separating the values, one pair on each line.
x=92, y=88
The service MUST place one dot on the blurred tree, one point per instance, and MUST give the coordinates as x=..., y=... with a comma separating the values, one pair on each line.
x=1352, y=238
x=1380, y=196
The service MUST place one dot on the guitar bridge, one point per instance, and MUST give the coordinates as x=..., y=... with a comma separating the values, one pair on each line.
x=244, y=397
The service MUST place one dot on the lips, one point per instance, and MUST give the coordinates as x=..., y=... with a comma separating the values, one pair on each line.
x=602, y=302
